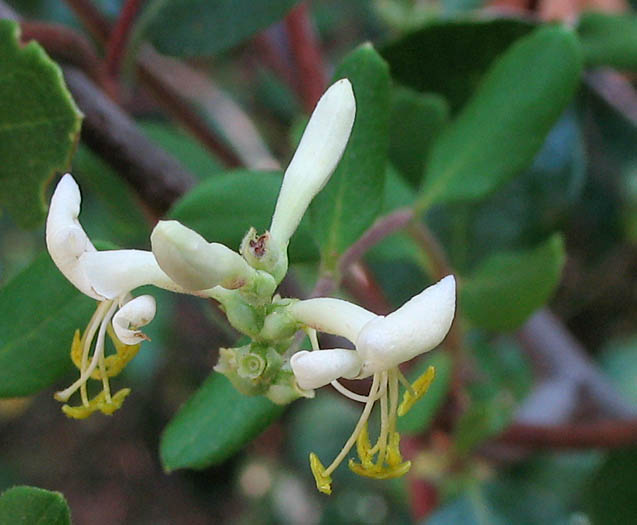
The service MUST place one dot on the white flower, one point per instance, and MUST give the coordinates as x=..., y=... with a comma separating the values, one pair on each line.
x=107, y=276
x=196, y=264
x=382, y=343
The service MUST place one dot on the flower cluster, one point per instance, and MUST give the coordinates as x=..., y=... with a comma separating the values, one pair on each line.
x=244, y=283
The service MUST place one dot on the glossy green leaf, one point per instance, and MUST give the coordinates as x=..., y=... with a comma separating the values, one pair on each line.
x=416, y=119
x=451, y=56
x=33, y=506
x=39, y=125
x=40, y=311
x=223, y=208
x=420, y=416
x=204, y=27
x=213, y=424
x=352, y=199
x=508, y=287
x=609, y=39
x=504, y=125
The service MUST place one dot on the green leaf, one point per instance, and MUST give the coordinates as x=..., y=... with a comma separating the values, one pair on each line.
x=418, y=419
x=213, y=424
x=39, y=125
x=223, y=208
x=609, y=39
x=190, y=28
x=40, y=311
x=508, y=287
x=482, y=420
x=504, y=125
x=33, y=506
x=610, y=496
x=450, y=57
x=185, y=149
x=416, y=119
x=352, y=199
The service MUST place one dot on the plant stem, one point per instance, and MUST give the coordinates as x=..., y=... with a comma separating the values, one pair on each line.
x=120, y=34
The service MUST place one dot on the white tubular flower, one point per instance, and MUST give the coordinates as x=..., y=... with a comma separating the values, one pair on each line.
x=193, y=262
x=133, y=315
x=382, y=343
x=319, y=151
x=107, y=276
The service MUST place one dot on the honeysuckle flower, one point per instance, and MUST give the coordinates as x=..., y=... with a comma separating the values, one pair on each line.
x=108, y=277
x=381, y=344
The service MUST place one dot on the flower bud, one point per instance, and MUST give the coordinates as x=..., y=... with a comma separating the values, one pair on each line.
x=416, y=327
x=194, y=263
x=317, y=155
x=318, y=368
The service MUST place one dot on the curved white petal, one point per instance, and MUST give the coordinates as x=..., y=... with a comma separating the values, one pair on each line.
x=66, y=240
x=333, y=316
x=116, y=272
x=416, y=327
x=193, y=262
x=319, y=151
x=133, y=315
x=321, y=367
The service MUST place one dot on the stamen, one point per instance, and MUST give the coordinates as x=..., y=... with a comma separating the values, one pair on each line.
x=419, y=389
x=87, y=340
x=99, y=350
x=405, y=382
x=311, y=333
x=359, y=426
x=353, y=395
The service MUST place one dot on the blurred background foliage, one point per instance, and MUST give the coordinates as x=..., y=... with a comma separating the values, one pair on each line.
x=553, y=221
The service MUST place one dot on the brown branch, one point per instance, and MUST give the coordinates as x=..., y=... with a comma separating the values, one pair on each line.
x=561, y=357
x=307, y=55
x=156, y=176
x=602, y=434
x=615, y=90
x=120, y=34
x=91, y=18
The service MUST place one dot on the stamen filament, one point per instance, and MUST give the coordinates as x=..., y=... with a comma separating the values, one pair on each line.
x=405, y=382
x=353, y=395
x=99, y=350
x=359, y=426
x=381, y=443
x=89, y=334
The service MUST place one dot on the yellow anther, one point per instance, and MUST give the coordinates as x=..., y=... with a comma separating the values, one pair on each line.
x=378, y=472
x=76, y=349
x=323, y=480
x=420, y=387
x=97, y=403
x=364, y=447
x=393, y=457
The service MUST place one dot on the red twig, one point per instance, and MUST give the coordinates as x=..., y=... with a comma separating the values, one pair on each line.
x=92, y=19
x=119, y=36
x=272, y=57
x=603, y=434
x=305, y=48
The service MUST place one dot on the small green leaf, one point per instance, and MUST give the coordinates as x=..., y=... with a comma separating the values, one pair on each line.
x=508, y=287
x=213, y=424
x=609, y=39
x=416, y=119
x=33, y=506
x=450, y=57
x=190, y=28
x=352, y=199
x=223, y=208
x=420, y=416
x=40, y=311
x=39, y=125
x=503, y=126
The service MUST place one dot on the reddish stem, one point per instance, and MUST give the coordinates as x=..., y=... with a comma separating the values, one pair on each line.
x=603, y=434
x=119, y=36
x=92, y=19
x=307, y=55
